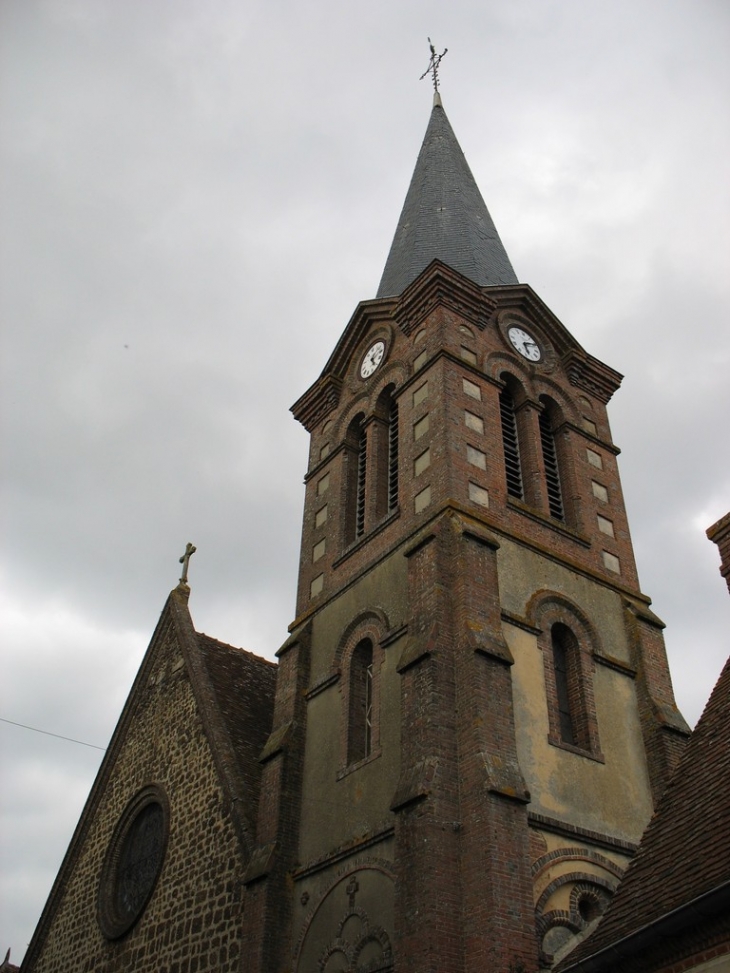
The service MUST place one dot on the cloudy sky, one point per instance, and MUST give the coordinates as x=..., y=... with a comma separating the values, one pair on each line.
x=195, y=196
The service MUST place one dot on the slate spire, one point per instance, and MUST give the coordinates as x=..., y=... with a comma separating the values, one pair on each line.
x=444, y=217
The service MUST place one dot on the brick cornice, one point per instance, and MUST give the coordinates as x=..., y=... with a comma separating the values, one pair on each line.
x=441, y=286
x=543, y=822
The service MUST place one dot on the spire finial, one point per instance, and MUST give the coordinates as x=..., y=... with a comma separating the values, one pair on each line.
x=190, y=549
x=433, y=66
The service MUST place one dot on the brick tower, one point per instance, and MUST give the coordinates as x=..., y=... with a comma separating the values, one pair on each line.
x=474, y=714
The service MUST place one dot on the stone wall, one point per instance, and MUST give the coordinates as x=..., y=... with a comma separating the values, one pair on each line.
x=190, y=923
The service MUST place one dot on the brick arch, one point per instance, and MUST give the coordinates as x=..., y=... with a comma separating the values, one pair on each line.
x=372, y=623
x=548, y=387
x=560, y=855
x=596, y=892
x=332, y=941
x=583, y=884
x=568, y=878
x=516, y=383
x=392, y=373
x=359, y=404
x=375, y=934
x=547, y=606
x=336, y=948
x=370, y=626
x=383, y=399
x=500, y=362
x=548, y=921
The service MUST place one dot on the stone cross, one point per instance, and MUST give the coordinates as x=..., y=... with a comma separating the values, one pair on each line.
x=190, y=549
x=433, y=66
x=352, y=890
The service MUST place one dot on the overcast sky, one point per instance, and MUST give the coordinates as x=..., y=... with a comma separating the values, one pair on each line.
x=194, y=198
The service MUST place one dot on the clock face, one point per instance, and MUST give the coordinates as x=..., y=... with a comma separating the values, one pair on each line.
x=525, y=344
x=372, y=359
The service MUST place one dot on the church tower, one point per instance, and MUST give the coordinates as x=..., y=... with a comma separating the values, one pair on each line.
x=474, y=714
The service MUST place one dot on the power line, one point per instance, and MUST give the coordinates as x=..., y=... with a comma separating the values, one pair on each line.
x=49, y=734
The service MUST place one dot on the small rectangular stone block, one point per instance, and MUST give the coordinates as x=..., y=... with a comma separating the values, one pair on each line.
x=420, y=394
x=422, y=462
x=594, y=459
x=605, y=525
x=599, y=491
x=421, y=427
x=475, y=423
x=422, y=499
x=476, y=457
x=478, y=495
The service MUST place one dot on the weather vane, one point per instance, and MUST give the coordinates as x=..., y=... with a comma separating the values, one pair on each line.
x=190, y=549
x=433, y=66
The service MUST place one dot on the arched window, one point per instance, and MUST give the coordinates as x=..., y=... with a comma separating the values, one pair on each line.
x=360, y=715
x=566, y=671
x=511, y=444
x=386, y=453
x=569, y=683
x=549, y=418
x=569, y=643
x=356, y=443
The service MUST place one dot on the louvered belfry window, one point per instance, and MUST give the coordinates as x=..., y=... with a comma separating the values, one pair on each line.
x=356, y=476
x=393, y=457
x=512, y=466
x=361, y=479
x=550, y=461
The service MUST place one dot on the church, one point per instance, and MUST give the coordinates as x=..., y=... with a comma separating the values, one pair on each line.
x=454, y=758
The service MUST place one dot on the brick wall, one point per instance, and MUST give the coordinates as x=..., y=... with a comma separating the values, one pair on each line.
x=720, y=534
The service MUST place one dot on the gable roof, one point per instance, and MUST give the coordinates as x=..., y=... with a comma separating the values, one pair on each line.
x=444, y=217
x=684, y=856
x=243, y=689
x=234, y=694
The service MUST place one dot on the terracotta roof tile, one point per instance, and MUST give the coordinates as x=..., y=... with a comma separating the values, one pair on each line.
x=244, y=687
x=685, y=851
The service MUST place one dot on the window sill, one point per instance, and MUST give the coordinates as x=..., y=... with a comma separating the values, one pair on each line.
x=351, y=768
x=578, y=751
x=367, y=537
x=539, y=517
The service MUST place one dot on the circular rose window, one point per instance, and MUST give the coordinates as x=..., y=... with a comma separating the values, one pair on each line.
x=133, y=862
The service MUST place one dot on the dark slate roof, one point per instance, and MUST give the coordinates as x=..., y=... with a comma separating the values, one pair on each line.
x=244, y=687
x=685, y=851
x=444, y=217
